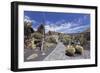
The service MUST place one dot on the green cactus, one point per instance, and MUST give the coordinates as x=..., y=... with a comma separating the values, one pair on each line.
x=70, y=50
x=79, y=49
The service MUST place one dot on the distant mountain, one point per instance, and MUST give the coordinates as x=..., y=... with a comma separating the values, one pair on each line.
x=87, y=30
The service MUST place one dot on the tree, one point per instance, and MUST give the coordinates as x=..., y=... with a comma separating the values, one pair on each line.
x=41, y=29
x=50, y=33
x=28, y=30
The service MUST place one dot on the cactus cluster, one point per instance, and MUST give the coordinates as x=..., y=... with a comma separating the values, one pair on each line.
x=72, y=50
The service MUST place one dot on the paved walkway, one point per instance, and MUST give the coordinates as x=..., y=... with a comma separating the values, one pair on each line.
x=57, y=54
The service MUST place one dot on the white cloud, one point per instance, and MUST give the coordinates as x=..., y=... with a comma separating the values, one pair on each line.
x=76, y=29
x=65, y=27
x=27, y=19
x=57, y=25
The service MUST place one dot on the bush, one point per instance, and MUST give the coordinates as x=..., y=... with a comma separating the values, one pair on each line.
x=37, y=35
x=65, y=42
x=83, y=40
x=51, y=40
x=65, y=39
x=48, y=45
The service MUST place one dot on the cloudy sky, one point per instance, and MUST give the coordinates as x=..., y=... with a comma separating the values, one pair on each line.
x=59, y=22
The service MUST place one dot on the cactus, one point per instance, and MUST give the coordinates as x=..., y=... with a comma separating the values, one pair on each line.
x=70, y=50
x=79, y=49
x=33, y=44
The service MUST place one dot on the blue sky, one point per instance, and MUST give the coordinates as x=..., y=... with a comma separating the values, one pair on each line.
x=59, y=22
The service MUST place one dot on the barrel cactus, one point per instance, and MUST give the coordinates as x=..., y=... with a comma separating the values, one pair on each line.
x=70, y=50
x=79, y=49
